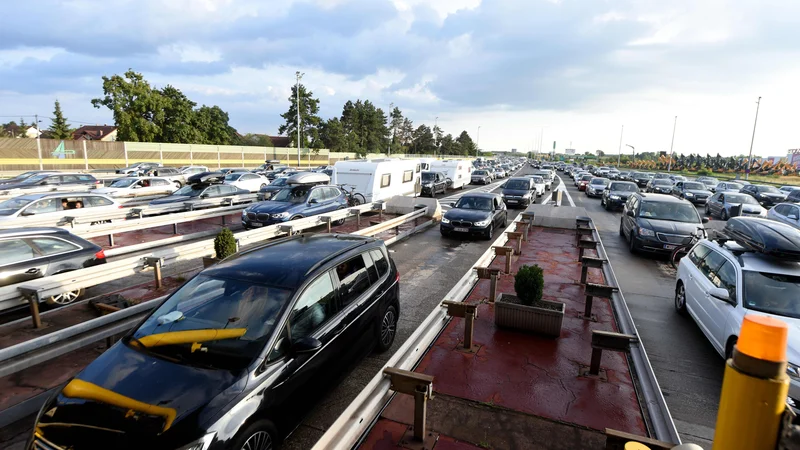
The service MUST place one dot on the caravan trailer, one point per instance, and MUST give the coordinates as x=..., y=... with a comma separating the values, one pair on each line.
x=426, y=163
x=459, y=171
x=379, y=179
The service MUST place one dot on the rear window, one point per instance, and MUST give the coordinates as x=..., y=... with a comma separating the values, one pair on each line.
x=353, y=279
x=86, y=178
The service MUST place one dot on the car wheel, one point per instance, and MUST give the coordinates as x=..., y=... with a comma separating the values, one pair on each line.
x=178, y=184
x=387, y=329
x=296, y=217
x=680, y=299
x=730, y=346
x=260, y=435
x=65, y=298
x=708, y=211
x=632, y=243
x=621, y=231
x=724, y=215
x=341, y=221
x=262, y=186
x=490, y=232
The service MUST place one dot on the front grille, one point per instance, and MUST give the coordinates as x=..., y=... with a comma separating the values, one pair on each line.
x=251, y=216
x=262, y=217
x=701, y=197
x=461, y=223
x=673, y=238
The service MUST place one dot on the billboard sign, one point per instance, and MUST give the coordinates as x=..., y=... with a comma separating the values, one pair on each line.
x=569, y=151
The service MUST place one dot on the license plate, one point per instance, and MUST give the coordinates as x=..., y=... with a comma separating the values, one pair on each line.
x=511, y=201
x=256, y=224
x=461, y=230
x=669, y=247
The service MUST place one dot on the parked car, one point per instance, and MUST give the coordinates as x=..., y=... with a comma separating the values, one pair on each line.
x=710, y=183
x=766, y=195
x=577, y=177
x=518, y=192
x=788, y=189
x=175, y=176
x=480, y=177
x=659, y=223
x=30, y=253
x=248, y=181
x=433, y=182
x=54, y=180
x=55, y=206
x=500, y=172
x=642, y=178
x=24, y=176
x=613, y=174
x=548, y=177
x=728, y=186
x=584, y=181
x=723, y=204
x=238, y=355
x=787, y=213
x=538, y=184
x=266, y=192
x=596, y=187
x=662, y=176
x=691, y=190
x=138, y=168
x=138, y=187
x=305, y=195
x=616, y=194
x=200, y=191
x=227, y=170
x=719, y=283
x=677, y=178
x=475, y=214
x=659, y=186
x=191, y=170
x=793, y=197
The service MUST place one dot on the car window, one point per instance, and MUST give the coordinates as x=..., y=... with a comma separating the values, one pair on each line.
x=314, y=307
x=317, y=194
x=782, y=209
x=726, y=279
x=212, y=191
x=386, y=180
x=97, y=201
x=353, y=279
x=381, y=263
x=332, y=192
x=52, y=246
x=698, y=253
x=15, y=250
x=795, y=211
x=86, y=178
x=159, y=182
x=69, y=179
x=47, y=205
x=711, y=265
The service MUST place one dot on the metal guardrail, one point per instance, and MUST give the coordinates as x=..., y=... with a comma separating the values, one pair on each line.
x=6, y=194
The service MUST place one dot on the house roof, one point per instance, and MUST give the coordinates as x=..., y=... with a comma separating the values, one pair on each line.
x=281, y=141
x=93, y=132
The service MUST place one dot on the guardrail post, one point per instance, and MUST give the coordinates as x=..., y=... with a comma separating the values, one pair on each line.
x=155, y=263
x=468, y=312
x=585, y=244
x=507, y=251
x=137, y=211
x=420, y=386
x=522, y=227
x=595, y=290
x=607, y=340
x=586, y=263
x=110, y=239
x=189, y=206
x=327, y=221
x=527, y=217
x=517, y=237
x=175, y=228
x=287, y=229
x=490, y=274
x=32, y=295
x=357, y=212
x=418, y=208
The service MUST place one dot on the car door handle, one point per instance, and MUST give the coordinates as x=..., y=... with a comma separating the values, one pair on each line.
x=338, y=330
x=34, y=270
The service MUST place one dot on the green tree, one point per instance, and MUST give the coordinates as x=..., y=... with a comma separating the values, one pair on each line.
x=437, y=136
x=466, y=145
x=364, y=127
x=424, y=142
x=407, y=133
x=396, y=124
x=136, y=106
x=212, y=123
x=448, y=146
x=309, y=117
x=59, y=128
x=333, y=136
x=23, y=128
x=176, y=119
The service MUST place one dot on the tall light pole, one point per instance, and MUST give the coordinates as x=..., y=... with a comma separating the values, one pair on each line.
x=674, y=125
x=633, y=151
x=391, y=109
x=619, y=154
x=297, y=91
x=478, y=142
x=436, y=141
x=750, y=158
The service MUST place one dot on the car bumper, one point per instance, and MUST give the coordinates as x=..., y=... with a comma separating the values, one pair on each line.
x=615, y=203
x=770, y=202
x=517, y=202
x=697, y=201
x=581, y=187
x=471, y=231
x=654, y=245
x=593, y=194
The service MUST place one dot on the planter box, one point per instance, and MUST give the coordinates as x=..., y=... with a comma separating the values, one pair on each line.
x=209, y=261
x=508, y=313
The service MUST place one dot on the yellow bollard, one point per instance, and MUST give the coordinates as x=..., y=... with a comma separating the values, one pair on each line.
x=636, y=446
x=755, y=387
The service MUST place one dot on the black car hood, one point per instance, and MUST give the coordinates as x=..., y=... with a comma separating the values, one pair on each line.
x=469, y=215
x=271, y=207
x=195, y=394
x=668, y=226
x=519, y=192
x=172, y=199
x=773, y=195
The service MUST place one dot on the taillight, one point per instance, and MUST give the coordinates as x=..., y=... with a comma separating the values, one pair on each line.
x=100, y=255
x=98, y=182
x=397, y=275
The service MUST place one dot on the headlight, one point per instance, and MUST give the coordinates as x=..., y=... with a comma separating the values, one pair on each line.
x=427, y=185
x=282, y=215
x=688, y=194
x=614, y=197
x=482, y=223
x=762, y=196
x=445, y=220
x=200, y=444
x=646, y=232
x=793, y=370
x=528, y=195
x=244, y=213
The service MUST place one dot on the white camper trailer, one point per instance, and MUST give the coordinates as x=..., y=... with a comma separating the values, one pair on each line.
x=425, y=163
x=457, y=170
x=379, y=179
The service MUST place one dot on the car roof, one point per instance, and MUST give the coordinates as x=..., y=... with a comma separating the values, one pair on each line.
x=480, y=195
x=758, y=262
x=28, y=231
x=663, y=198
x=33, y=197
x=286, y=262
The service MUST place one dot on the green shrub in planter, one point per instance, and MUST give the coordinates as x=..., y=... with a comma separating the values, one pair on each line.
x=529, y=284
x=224, y=244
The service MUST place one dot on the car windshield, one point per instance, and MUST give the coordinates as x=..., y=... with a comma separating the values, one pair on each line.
x=697, y=186
x=662, y=182
x=734, y=186
x=279, y=182
x=213, y=322
x=769, y=189
x=232, y=176
x=518, y=185
x=599, y=181
x=479, y=203
x=740, y=198
x=661, y=176
x=13, y=205
x=586, y=177
x=191, y=190
x=709, y=182
x=123, y=183
x=36, y=178
x=479, y=172
x=671, y=211
x=625, y=187
x=428, y=176
x=295, y=194
x=538, y=180
x=772, y=293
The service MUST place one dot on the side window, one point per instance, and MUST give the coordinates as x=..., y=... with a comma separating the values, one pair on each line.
x=213, y=191
x=317, y=194
x=726, y=279
x=697, y=254
x=47, y=205
x=371, y=270
x=98, y=201
x=88, y=178
x=721, y=198
x=15, y=250
x=710, y=266
x=353, y=279
x=782, y=209
x=333, y=192
x=51, y=246
x=408, y=175
x=381, y=263
x=69, y=179
x=386, y=180
x=314, y=307
x=795, y=211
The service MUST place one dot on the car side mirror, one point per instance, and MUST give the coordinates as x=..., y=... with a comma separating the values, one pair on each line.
x=630, y=213
x=452, y=204
x=27, y=213
x=312, y=201
x=719, y=294
x=306, y=345
x=792, y=216
x=204, y=196
x=43, y=183
x=705, y=219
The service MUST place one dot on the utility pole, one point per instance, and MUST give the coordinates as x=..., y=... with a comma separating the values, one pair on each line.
x=619, y=154
x=750, y=158
x=674, y=125
x=297, y=91
x=391, y=110
x=541, y=138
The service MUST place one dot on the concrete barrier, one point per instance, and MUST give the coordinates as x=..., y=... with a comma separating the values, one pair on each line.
x=405, y=205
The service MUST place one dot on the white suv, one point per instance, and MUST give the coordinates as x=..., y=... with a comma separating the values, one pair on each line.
x=719, y=282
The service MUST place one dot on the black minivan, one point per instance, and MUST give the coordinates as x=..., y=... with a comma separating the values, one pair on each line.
x=237, y=355
x=659, y=223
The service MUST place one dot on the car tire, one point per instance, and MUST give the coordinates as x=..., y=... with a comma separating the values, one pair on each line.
x=259, y=435
x=490, y=232
x=387, y=329
x=177, y=184
x=296, y=217
x=66, y=298
x=680, y=298
x=341, y=221
x=729, y=346
x=621, y=231
x=724, y=215
x=632, y=244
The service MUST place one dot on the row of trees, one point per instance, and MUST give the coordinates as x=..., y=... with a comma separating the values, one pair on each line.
x=59, y=127
x=364, y=128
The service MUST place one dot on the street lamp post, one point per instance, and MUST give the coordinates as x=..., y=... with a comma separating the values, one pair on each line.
x=436, y=141
x=671, y=145
x=297, y=91
x=619, y=152
x=478, y=142
x=750, y=158
x=633, y=151
x=391, y=109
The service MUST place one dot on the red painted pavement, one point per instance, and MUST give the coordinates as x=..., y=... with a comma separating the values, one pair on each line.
x=525, y=372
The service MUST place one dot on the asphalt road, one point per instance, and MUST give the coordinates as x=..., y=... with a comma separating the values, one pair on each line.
x=429, y=267
x=688, y=368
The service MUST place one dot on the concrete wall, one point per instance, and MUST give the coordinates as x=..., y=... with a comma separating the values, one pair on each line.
x=405, y=205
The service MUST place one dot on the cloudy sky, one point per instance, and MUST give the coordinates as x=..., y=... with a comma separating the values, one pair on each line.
x=572, y=71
